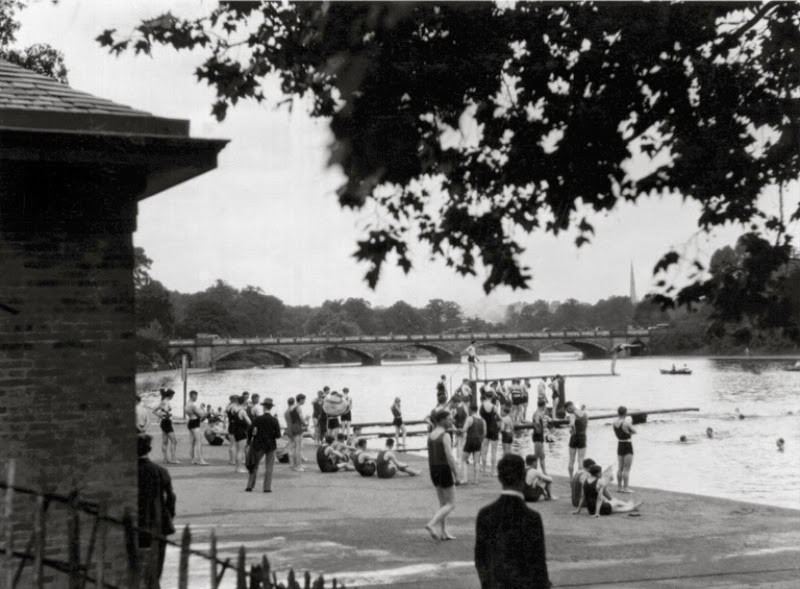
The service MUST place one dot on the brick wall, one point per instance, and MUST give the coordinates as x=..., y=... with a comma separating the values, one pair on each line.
x=67, y=372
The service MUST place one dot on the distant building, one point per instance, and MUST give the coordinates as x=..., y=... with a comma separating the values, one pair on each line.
x=634, y=300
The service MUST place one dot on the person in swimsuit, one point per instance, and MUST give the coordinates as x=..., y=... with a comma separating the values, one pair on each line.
x=316, y=417
x=388, y=465
x=397, y=422
x=578, y=420
x=472, y=360
x=460, y=414
x=441, y=405
x=537, y=484
x=443, y=472
x=347, y=416
x=169, y=443
x=142, y=418
x=229, y=421
x=597, y=501
x=526, y=397
x=780, y=443
x=363, y=461
x=330, y=460
x=709, y=433
x=475, y=429
x=332, y=423
x=539, y=420
x=488, y=412
x=195, y=415
x=517, y=399
x=623, y=429
x=241, y=423
x=506, y=429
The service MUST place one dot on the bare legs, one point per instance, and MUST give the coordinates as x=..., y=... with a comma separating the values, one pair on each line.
x=231, y=449
x=581, y=453
x=476, y=458
x=484, y=451
x=297, y=450
x=196, y=450
x=165, y=446
x=538, y=451
x=447, y=503
x=239, y=450
x=624, y=473
x=400, y=429
x=172, y=443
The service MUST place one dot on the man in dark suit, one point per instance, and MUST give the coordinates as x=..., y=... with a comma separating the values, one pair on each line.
x=264, y=430
x=509, y=538
x=156, y=506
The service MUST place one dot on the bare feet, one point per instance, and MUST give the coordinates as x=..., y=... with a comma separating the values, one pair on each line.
x=639, y=504
x=625, y=491
x=448, y=536
x=432, y=532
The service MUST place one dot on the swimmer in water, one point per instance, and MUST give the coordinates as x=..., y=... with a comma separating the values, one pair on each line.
x=780, y=444
x=709, y=433
x=683, y=438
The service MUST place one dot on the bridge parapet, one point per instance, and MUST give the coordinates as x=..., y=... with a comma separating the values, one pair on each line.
x=522, y=346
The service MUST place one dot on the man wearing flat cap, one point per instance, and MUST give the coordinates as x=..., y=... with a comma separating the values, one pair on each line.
x=263, y=431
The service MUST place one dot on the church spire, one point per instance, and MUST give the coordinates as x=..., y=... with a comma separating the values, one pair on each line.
x=634, y=300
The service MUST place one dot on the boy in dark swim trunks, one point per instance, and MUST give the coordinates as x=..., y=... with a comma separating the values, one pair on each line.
x=195, y=416
x=623, y=429
x=388, y=465
x=363, y=461
x=475, y=430
x=537, y=484
x=329, y=460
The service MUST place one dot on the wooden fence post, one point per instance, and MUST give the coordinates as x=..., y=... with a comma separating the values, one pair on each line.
x=101, y=555
x=74, y=540
x=241, y=572
x=183, y=563
x=265, y=572
x=213, y=560
x=40, y=542
x=8, y=514
x=90, y=551
x=132, y=550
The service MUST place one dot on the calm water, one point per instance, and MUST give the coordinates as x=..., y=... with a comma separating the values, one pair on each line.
x=741, y=462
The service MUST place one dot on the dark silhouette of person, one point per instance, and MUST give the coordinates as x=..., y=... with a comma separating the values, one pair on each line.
x=156, y=505
x=264, y=430
x=509, y=538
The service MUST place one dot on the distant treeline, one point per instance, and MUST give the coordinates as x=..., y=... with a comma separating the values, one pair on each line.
x=250, y=312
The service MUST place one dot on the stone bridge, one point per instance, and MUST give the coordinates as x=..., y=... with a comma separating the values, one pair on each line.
x=372, y=349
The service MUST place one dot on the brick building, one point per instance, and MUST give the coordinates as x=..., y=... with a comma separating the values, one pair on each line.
x=72, y=170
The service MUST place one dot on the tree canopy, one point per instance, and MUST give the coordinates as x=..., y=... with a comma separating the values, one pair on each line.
x=39, y=57
x=469, y=124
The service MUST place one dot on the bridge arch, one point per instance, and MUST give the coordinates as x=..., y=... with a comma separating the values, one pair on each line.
x=287, y=360
x=443, y=355
x=175, y=357
x=366, y=358
x=516, y=351
x=590, y=349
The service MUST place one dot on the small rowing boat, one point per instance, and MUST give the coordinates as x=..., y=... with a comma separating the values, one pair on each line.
x=676, y=371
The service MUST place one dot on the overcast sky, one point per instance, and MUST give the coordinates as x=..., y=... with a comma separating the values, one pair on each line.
x=268, y=216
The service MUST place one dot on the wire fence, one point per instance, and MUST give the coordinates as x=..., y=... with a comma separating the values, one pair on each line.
x=85, y=562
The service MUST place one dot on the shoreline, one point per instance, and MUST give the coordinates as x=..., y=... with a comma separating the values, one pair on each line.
x=369, y=532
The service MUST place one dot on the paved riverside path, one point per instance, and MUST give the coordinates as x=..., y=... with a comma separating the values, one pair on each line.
x=369, y=532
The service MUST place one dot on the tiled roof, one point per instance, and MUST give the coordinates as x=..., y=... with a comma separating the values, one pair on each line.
x=23, y=89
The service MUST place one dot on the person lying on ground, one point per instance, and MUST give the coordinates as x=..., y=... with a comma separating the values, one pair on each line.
x=388, y=465
x=329, y=459
x=364, y=462
x=537, y=484
x=593, y=496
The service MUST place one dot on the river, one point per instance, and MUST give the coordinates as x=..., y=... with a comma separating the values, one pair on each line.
x=740, y=462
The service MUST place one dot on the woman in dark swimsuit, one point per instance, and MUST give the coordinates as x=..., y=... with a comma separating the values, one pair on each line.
x=475, y=433
x=488, y=412
x=596, y=499
x=443, y=469
x=169, y=443
x=623, y=430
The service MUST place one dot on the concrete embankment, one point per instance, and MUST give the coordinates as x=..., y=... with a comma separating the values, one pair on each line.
x=369, y=532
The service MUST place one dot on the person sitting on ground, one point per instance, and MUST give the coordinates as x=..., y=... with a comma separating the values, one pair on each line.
x=388, y=465
x=341, y=446
x=597, y=503
x=537, y=484
x=364, y=461
x=215, y=435
x=330, y=460
x=577, y=482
